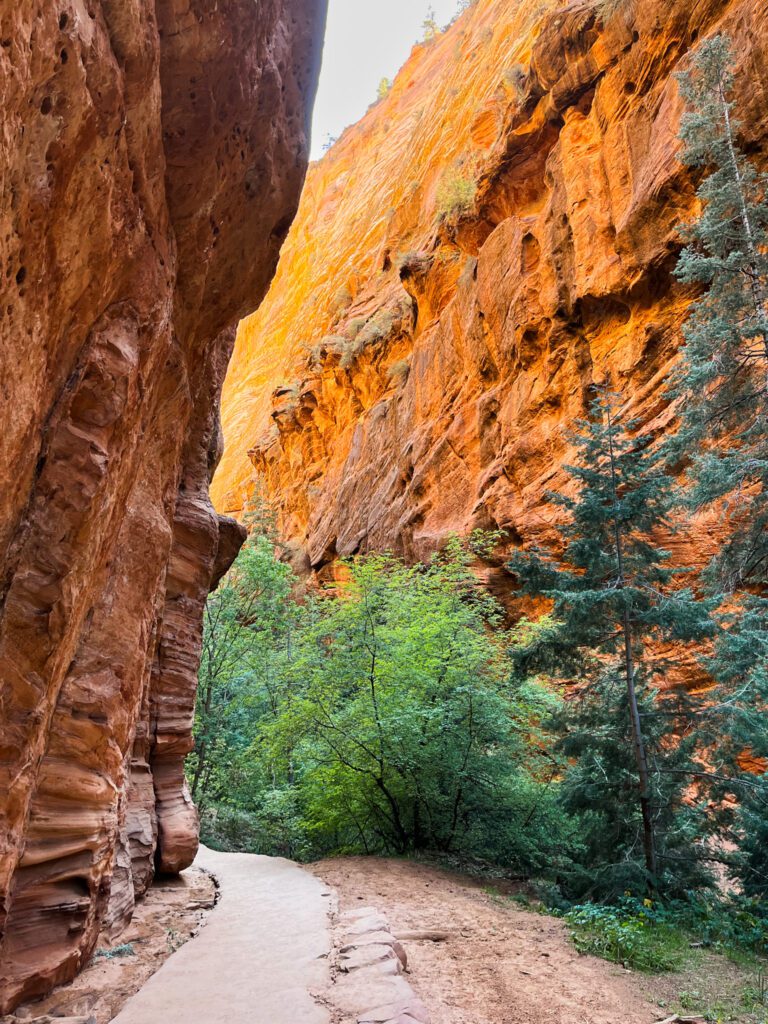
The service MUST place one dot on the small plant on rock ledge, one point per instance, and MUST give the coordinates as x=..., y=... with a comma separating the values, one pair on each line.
x=607, y=8
x=342, y=299
x=398, y=372
x=384, y=89
x=456, y=196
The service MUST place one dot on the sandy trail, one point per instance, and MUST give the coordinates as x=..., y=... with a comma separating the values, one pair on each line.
x=257, y=960
x=501, y=965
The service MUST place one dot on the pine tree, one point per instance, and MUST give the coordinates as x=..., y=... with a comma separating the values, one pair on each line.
x=721, y=390
x=429, y=25
x=615, y=598
x=722, y=380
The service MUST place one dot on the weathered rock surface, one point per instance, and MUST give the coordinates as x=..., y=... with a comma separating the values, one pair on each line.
x=368, y=973
x=152, y=154
x=409, y=377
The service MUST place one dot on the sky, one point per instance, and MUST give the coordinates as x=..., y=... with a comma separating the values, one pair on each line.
x=367, y=40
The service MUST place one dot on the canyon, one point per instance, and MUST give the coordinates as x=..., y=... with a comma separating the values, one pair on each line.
x=153, y=153
x=495, y=237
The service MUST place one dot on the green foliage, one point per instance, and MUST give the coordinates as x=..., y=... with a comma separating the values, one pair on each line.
x=399, y=370
x=380, y=720
x=430, y=26
x=274, y=827
x=607, y=8
x=722, y=381
x=247, y=633
x=729, y=923
x=404, y=738
x=628, y=934
x=615, y=601
x=456, y=195
x=721, y=393
x=116, y=952
x=384, y=89
x=657, y=936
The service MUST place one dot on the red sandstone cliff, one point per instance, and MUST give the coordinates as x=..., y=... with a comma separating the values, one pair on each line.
x=409, y=376
x=152, y=157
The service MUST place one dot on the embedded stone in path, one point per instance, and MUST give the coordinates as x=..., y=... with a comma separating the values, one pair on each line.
x=369, y=984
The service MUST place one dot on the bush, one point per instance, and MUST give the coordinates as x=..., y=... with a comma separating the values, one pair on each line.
x=124, y=949
x=342, y=299
x=274, y=829
x=628, y=935
x=355, y=326
x=399, y=371
x=514, y=79
x=456, y=196
x=653, y=935
x=607, y=8
x=328, y=343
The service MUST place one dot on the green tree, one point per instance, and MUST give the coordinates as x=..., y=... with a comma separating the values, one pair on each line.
x=400, y=729
x=616, y=600
x=430, y=26
x=379, y=719
x=384, y=89
x=721, y=383
x=247, y=630
x=721, y=390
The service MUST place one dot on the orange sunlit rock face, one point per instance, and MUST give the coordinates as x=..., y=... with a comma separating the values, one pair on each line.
x=410, y=375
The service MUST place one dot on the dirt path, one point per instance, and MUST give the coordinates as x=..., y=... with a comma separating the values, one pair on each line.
x=261, y=953
x=500, y=965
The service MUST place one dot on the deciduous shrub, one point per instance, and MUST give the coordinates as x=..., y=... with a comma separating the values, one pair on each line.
x=456, y=195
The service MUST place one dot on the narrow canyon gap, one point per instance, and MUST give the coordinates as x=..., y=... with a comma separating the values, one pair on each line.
x=153, y=152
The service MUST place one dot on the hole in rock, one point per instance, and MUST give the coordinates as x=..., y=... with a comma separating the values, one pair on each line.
x=63, y=19
x=64, y=56
x=46, y=106
x=21, y=274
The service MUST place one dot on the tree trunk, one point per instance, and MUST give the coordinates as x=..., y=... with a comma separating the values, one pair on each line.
x=638, y=741
x=641, y=757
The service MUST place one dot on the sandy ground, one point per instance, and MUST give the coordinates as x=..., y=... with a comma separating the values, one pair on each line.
x=261, y=954
x=500, y=965
x=169, y=915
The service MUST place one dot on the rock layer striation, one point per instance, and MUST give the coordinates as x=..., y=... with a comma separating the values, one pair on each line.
x=153, y=152
x=493, y=238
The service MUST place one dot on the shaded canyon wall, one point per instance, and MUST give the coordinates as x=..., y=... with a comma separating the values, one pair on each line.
x=153, y=153
x=408, y=375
